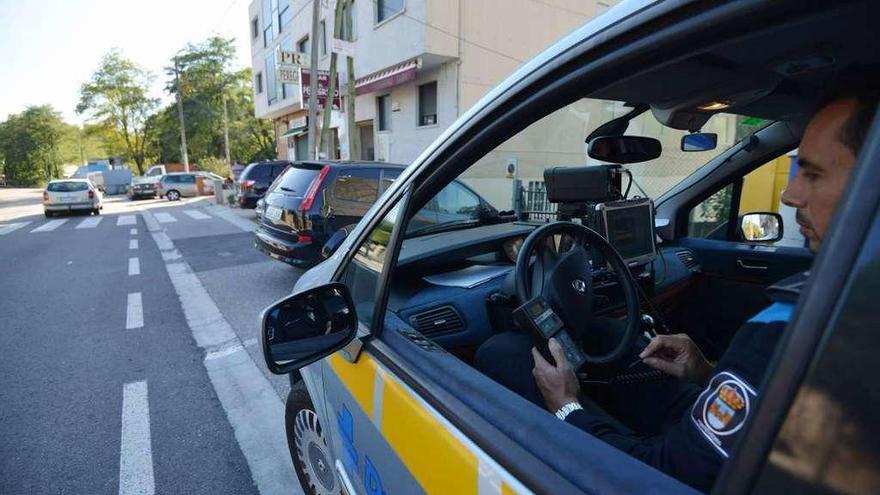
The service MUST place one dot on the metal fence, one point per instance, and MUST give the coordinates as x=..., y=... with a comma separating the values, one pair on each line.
x=532, y=203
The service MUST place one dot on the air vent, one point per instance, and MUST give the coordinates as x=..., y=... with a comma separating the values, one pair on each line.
x=687, y=257
x=438, y=321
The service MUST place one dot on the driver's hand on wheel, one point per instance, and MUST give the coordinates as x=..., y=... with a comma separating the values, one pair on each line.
x=558, y=384
x=677, y=355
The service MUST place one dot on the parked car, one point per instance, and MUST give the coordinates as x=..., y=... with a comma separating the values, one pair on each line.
x=256, y=179
x=311, y=201
x=378, y=340
x=143, y=187
x=177, y=185
x=72, y=195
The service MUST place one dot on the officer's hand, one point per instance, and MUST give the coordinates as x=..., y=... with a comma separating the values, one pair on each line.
x=678, y=356
x=558, y=384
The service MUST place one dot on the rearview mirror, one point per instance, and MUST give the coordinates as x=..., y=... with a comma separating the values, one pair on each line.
x=761, y=227
x=624, y=149
x=305, y=327
x=699, y=141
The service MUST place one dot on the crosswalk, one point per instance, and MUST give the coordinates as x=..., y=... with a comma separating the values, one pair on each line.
x=93, y=222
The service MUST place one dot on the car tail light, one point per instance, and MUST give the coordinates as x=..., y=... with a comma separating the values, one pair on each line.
x=305, y=239
x=91, y=194
x=247, y=184
x=45, y=195
x=312, y=191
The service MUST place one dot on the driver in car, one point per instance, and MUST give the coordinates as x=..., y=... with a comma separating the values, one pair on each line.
x=687, y=427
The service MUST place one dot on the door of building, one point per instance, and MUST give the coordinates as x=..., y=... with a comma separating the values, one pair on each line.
x=367, y=147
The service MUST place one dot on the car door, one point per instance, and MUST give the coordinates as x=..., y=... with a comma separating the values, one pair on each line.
x=187, y=183
x=733, y=271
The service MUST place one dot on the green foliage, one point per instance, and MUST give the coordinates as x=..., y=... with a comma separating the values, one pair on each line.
x=78, y=145
x=216, y=165
x=29, y=145
x=116, y=99
x=205, y=76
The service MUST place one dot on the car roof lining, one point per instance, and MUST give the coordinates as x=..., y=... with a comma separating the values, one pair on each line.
x=791, y=62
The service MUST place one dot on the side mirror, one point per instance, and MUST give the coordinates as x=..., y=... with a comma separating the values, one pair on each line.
x=308, y=326
x=699, y=141
x=336, y=240
x=761, y=227
x=624, y=149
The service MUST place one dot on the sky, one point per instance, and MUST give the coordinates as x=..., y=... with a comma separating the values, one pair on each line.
x=49, y=48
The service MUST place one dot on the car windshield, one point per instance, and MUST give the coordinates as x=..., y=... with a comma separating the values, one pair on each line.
x=67, y=186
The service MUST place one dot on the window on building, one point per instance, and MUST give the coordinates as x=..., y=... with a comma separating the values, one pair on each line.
x=255, y=27
x=285, y=14
x=323, y=46
x=383, y=111
x=387, y=8
x=269, y=7
x=344, y=34
x=258, y=82
x=303, y=46
x=287, y=89
x=271, y=86
x=428, y=104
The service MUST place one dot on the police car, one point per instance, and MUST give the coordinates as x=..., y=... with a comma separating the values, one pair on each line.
x=694, y=111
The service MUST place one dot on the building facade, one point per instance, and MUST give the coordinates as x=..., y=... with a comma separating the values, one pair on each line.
x=418, y=64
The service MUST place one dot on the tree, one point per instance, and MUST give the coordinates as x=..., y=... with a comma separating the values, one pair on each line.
x=117, y=98
x=29, y=144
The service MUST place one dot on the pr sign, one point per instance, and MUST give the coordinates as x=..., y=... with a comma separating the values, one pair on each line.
x=323, y=88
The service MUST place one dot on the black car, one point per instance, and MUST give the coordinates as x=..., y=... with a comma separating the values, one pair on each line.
x=312, y=201
x=256, y=179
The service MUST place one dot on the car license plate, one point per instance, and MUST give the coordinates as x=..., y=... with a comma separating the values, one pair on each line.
x=68, y=199
x=273, y=213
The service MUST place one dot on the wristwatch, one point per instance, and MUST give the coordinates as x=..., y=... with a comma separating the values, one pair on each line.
x=567, y=409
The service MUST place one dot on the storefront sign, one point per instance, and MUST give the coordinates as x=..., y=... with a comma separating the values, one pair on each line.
x=345, y=48
x=323, y=87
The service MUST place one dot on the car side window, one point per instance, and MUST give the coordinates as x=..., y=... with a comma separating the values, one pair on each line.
x=363, y=271
x=454, y=203
x=187, y=179
x=389, y=175
x=709, y=219
x=357, y=185
x=171, y=179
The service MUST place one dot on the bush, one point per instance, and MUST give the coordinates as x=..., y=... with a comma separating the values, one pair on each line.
x=215, y=165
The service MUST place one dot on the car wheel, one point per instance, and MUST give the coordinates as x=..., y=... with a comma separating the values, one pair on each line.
x=172, y=195
x=308, y=446
x=96, y=211
x=48, y=214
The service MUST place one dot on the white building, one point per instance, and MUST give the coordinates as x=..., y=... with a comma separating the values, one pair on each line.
x=419, y=64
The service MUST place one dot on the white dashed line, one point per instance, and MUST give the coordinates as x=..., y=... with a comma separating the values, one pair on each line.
x=11, y=227
x=134, y=266
x=197, y=215
x=164, y=217
x=126, y=220
x=50, y=225
x=134, y=311
x=136, y=452
x=133, y=232
x=89, y=223
x=132, y=244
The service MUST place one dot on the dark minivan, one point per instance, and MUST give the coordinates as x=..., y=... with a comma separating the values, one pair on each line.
x=312, y=201
x=256, y=179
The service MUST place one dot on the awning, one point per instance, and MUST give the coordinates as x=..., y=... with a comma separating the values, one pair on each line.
x=392, y=76
x=293, y=132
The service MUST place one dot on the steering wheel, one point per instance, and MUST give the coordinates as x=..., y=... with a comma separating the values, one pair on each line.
x=565, y=281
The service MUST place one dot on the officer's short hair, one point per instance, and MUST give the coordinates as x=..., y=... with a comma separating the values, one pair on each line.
x=860, y=85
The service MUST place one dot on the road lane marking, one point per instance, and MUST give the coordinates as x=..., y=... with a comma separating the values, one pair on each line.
x=89, y=223
x=134, y=311
x=11, y=227
x=251, y=404
x=132, y=244
x=197, y=215
x=165, y=218
x=126, y=220
x=136, y=452
x=133, y=232
x=134, y=266
x=50, y=225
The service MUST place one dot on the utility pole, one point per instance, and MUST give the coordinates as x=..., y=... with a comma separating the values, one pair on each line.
x=226, y=130
x=331, y=90
x=354, y=138
x=180, y=116
x=313, y=78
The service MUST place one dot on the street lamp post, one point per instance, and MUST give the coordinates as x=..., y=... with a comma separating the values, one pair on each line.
x=180, y=116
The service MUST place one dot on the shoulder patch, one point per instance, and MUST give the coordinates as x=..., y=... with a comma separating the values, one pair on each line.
x=722, y=409
x=775, y=312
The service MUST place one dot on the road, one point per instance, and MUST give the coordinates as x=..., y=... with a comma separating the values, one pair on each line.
x=130, y=351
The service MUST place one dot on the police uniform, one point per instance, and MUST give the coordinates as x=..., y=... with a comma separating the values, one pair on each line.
x=680, y=428
x=693, y=448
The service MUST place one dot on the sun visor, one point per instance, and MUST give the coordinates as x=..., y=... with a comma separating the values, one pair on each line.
x=692, y=114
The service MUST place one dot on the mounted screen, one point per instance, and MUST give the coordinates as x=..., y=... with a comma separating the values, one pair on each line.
x=629, y=227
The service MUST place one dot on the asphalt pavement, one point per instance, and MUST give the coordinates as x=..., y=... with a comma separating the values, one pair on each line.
x=123, y=340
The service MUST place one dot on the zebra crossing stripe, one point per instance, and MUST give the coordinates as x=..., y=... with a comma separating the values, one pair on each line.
x=164, y=217
x=126, y=220
x=11, y=227
x=197, y=215
x=50, y=225
x=89, y=223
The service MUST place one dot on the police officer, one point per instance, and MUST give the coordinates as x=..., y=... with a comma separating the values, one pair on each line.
x=694, y=424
